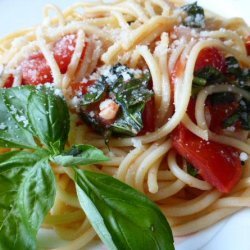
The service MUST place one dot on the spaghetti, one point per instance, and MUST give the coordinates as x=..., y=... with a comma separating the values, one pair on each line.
x=160, y=37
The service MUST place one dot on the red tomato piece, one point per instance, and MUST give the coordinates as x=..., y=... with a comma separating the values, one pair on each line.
x=210, y=57
x=148, y=117
x=218, y=164
x=81, y=87
x=9, y=82
x=219, y=113
x=35, y=70
x=63, y=51
x=248, y=45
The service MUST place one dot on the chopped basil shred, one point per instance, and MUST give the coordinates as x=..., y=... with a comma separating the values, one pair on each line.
x=206, y=76
x=237, y=75
x=192, y=170
x=131, y=93
x=222, y=98
x=234, y=75
x=242, y=115
x=195, y=16
x=123, y=215
x=95, y=93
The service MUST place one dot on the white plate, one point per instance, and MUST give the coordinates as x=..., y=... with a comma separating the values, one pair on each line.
x=229, y=234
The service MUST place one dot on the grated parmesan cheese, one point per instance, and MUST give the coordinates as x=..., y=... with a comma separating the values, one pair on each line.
x=2, y=126
x=243, y=156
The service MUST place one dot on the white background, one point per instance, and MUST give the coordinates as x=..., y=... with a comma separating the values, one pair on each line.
x=230, y=234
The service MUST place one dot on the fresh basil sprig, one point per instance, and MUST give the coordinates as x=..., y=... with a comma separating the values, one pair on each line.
x=31, y=117
x=122, y=217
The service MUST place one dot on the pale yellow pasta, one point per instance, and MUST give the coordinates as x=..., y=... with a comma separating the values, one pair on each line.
x=144, y=35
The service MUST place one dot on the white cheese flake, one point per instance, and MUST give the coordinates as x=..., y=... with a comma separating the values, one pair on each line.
x=2, y=126
x=243, y=156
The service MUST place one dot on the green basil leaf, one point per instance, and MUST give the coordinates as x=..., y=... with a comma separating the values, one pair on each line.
x=233, y=66
x=206, y=76
x=12, y=133
x=27, y=194
x=222, y=98
x=95, y=93
x=195, y=16
x=192, y=170
x=133, y=92
x=242, y=115
x=210, y=74
x=13, y=159
x=130, y=123
x=37, y=195
x=132, y=97
x=237, y=75
x=199, y=81
x=80, y=155
x=122, y=217
x=49, y=117
x=231, y=120
x=16, y=100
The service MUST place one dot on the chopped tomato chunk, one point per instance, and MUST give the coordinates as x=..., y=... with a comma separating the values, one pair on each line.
x=35, y=70
x=218, y=164
x=9, y=82
x=63, y=50
x=80, y=87
x=248, y=45
x=219, y=113
x=210, y=57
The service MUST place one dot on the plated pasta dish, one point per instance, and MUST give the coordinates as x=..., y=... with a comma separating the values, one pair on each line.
x=126, y=122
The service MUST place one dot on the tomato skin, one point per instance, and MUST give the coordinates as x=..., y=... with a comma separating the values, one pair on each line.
x=148, y=117
x=63, y=50
x=219, y=113
x=218, y=164
x=35, y=70
x=9, y=82
x=81, y=87
x=210, y=57
x=248, y=45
